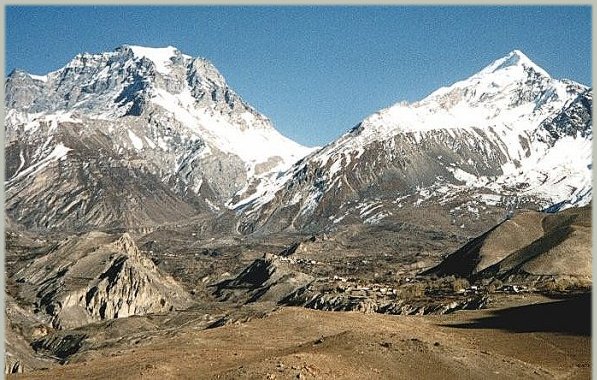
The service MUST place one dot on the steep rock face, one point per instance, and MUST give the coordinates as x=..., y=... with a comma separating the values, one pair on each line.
x=22, y=324
x=305, y=297
x=95, y=277
x=55, y=186
x=509, y=136
x=169, y=119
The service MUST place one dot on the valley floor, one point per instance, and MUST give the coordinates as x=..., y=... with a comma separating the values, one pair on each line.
x=511, y=339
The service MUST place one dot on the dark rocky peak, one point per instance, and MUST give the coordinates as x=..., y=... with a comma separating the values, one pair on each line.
x=121, y=82
x=20, y=90
x=18, y=74
x=575, y=120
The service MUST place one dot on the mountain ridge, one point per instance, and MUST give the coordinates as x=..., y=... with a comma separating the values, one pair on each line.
x=497, y=133
x=168, y=115
x=492, y=131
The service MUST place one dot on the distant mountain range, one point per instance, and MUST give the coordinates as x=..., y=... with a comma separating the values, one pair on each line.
x=145, y=136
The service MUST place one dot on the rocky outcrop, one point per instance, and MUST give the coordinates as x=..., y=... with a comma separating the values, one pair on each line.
x=59, y=346
x=268, y=279
x=22, y=328
x=97, y=277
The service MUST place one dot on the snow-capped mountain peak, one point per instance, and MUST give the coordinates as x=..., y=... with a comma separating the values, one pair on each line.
x=161, y=57
x=173, y=115
x=503, y=93
x=162, y=120
x=108, y=86
x=516, y=59
x=489, y=140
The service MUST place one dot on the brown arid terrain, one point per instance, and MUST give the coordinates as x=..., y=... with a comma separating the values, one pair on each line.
x=532, y=245
x=510, y=339
x=327, y=306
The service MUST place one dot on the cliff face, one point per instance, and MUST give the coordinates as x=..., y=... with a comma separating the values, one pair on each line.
x=97, y=277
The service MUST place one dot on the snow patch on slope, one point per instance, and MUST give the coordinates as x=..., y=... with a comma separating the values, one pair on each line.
x=58, y=153
x=252, y=145
x=42, y=78
x=161, y=57
x=135, y=140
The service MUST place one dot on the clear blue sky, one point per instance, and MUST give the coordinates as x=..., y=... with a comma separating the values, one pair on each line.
x=315, y=71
